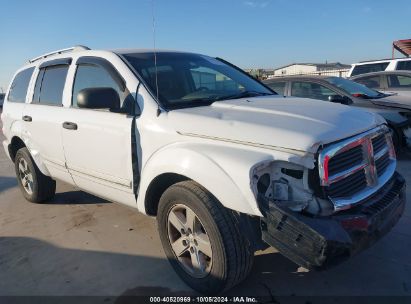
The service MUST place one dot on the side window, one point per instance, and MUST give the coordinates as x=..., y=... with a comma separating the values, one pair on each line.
x=311, y=90
x=404, y=65
x=371, y=81
x=278, y=87
x=368, y=68
x=93, y=76
x=399, y=81
x=50, y=85
x=18, y=89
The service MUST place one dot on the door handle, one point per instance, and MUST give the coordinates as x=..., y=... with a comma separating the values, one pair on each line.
x=27, y=118
x=69, y=125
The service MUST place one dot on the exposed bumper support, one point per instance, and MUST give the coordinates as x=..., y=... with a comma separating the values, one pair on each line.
x=320, y=242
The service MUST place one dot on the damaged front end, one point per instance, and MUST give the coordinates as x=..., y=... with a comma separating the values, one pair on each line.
x=322, y=216
x=318, y=242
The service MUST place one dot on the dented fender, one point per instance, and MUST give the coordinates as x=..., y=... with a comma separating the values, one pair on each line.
x=226, y=170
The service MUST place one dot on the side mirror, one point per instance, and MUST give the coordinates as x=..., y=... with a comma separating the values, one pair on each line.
x=340, y=99
x=98, y=98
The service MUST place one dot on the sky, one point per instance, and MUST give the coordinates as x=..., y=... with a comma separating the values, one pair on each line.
x=249, y=33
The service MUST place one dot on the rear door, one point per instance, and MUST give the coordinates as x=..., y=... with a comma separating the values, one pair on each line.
x=97, y=143
x=15, y=101
x=43, y=118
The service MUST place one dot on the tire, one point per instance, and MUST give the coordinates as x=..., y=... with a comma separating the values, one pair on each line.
x=35, y=186
x=231, y=255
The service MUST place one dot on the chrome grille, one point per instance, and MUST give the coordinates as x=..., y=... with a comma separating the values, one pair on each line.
x=355, y=168
x=382, y=163
x=349, y=185
x=346, y=160
x=378, y=143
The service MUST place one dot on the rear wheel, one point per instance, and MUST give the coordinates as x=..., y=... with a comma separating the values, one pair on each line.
x=202, y=239
x=35, y=186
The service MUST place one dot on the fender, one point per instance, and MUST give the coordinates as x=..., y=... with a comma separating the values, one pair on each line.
x=223, y=170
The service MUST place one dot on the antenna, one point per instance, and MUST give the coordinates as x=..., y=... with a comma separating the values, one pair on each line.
x=155, y=55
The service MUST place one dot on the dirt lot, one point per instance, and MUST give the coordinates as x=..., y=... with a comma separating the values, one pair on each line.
x=81, y=245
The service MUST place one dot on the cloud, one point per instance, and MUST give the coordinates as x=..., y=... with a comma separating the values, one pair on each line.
x=256, y=3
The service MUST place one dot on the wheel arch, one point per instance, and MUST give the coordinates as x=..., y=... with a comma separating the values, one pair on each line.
x=156, y=189
x=160, y=172
x=16, y=143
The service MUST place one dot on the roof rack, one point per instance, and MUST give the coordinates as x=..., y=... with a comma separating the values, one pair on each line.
x=385, y=59
x=71, y=49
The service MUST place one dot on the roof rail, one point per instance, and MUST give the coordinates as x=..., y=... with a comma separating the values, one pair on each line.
x=71, y=49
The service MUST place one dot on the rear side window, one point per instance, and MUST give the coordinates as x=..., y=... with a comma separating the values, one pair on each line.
x=278, y=87
x=368, y=68
x=399, y=81
x=50, y=85
x=371, y=81
x=19, y=86
x=404, y=65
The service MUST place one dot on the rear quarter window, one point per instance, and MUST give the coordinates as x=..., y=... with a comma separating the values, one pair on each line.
x=368, y=68
x=19, y=86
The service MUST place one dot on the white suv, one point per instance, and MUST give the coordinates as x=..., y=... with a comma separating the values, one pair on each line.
x=400, y=64
x=227, y=166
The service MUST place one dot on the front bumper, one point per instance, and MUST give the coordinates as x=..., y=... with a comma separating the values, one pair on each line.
x=318, y=242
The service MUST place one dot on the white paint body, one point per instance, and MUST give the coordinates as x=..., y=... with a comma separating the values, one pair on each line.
x=217, y=146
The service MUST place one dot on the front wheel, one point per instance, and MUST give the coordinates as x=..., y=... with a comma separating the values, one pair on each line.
x=202, y=239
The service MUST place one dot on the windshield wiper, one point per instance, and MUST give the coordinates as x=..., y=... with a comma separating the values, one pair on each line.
x=210, y=100
x=244, y=94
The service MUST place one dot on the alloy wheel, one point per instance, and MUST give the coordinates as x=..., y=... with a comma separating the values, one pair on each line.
x=26, y=177
x=189, y=241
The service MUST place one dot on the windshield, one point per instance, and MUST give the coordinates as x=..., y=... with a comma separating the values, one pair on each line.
x=353, y=88
x=189, y=80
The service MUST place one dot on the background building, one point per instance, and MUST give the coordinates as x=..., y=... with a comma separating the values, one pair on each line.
x=311, y=68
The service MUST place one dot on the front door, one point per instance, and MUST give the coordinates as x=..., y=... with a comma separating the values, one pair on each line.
x=97, y=143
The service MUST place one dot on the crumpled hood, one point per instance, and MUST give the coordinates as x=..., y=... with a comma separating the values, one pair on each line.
x=275, y=121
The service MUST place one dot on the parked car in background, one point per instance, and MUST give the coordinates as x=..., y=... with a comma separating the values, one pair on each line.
x=2, y=99
x=379, y=65
x=392, y=82
x=226, y=166
x=341, y=90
